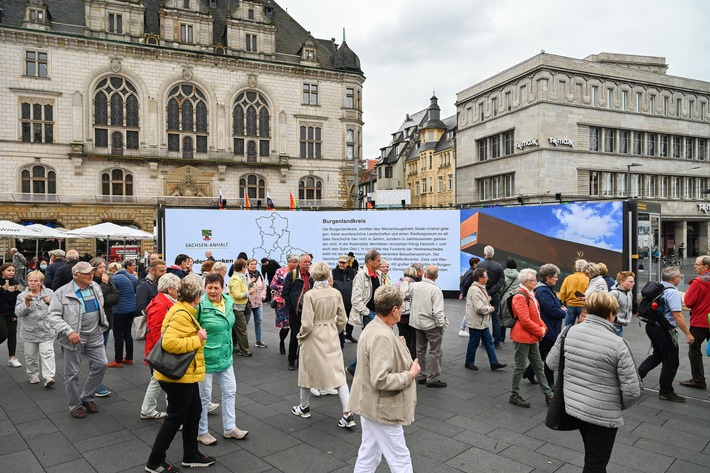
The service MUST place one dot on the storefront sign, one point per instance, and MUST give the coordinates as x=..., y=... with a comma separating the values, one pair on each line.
x=561, y=141
x=704, y=207
x=524, y=144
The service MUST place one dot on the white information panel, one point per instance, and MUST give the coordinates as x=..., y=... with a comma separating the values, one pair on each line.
x=401, y=237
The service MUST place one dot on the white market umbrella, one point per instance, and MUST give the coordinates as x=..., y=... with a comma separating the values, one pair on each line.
x=109, y=231
x=47, y=232
x=10, y=229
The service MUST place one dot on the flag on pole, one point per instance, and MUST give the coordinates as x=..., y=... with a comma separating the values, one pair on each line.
x=247, y=204
x=222, y=202
x=269, y=202
x=293, y=203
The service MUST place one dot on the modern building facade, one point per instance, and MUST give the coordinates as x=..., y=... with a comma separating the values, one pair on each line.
x=111, y=108
x=421, y=157
x=609, y=126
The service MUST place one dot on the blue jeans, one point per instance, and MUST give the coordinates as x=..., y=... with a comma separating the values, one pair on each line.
x=228, y=383
x=474, y=338
x=365, y=320
x=256, y=313
x=619, y=330
x=573, y=314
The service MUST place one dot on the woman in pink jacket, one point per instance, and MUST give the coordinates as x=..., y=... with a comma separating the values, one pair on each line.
x=256, y=280
x=526, y=334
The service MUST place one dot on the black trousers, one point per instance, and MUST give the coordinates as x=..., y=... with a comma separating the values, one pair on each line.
x=184, y=408
x=665, y=352
x=294, y=320
x=410, y=338
x=695, y=354
x=8, y=331
x=122, y=334
x=598, y=444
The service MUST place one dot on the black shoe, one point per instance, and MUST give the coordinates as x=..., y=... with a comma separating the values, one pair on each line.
x=436, y=384
x=350, y=371
x=292, y=366
x=471, y=367
x=164, y=467
x=672, y=396
x=692, y=384
x=531, y=379
x=245, y=353
x=351, y=338
x=198, y=461
x=497, y=366
x=282, y=347
x=516, y=400
x=421, y=381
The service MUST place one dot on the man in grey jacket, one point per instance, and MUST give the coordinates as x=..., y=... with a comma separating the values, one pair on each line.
x=427, y=317
x=76, y=313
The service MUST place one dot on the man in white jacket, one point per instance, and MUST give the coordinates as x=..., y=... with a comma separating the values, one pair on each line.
x=427, y=317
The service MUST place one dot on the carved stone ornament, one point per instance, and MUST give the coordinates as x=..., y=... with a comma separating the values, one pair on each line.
x=116, y=64
x=187, y=72
x=252, y=80
x=188, y=181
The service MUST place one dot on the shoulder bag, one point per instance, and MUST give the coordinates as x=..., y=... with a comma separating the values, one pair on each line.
x=557, y=417
x=170, y=365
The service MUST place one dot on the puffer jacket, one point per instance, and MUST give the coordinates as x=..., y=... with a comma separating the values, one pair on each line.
x=530, y=327
x=511, y=282
x=180, y=336
x=126, y=285
x=478, y=307
x=34, y=326
x=551, y=311
x=625, y=298
x=600, y=376
x=65, y=313
x=218, y=347
x=259, y=294
x=596, y=284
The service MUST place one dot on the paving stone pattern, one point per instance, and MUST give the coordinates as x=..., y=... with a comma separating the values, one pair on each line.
x=467, y=427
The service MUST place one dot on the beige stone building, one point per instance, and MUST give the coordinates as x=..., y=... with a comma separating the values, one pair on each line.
x=112, y=108
x=607, y=126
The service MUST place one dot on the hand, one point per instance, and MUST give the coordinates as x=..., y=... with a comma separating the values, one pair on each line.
x=415, y=369
x=74, y=338
x=18, y=288
x=202, y=335
x=251, y=290
x=6, y=286
x=47, y=300
x=401, y=337
x=460, y=296
x=691, y=339
x=28, y=298
x=104, y=278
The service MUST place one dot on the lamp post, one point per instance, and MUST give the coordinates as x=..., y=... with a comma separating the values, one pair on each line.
x=628, y=177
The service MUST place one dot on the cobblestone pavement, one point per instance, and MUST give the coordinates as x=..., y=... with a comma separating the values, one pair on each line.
x=467, y=427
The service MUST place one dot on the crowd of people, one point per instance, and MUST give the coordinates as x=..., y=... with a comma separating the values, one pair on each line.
x=316, y=308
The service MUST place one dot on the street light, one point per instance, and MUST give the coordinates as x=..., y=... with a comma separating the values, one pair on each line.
x=628, y=177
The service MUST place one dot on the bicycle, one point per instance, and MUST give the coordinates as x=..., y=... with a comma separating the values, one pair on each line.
x=672, y=260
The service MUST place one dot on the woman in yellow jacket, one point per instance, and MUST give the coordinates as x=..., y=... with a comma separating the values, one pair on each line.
x=182, y=334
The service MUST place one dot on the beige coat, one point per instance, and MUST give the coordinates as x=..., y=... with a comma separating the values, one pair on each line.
x=383, y=390
x=321, y=359
x=478, y=307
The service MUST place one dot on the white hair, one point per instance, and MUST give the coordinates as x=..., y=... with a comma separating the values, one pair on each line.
x=526, y=274
x=580, y=264
x=488, y=251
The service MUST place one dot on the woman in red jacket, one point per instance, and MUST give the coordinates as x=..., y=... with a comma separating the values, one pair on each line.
x=526, y=334
x=155, y=313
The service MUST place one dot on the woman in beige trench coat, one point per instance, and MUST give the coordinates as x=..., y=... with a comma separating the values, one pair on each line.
x=320, y=362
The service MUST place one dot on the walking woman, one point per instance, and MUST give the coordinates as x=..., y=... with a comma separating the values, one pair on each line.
x=321, y=359
x=31, y=309
x=256, y=298
x=9, y=291
x=182, y=334
x=216, y=316
x=478, y=317
x=277, y=284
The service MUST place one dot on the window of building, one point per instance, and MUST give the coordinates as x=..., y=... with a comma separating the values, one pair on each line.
x=350, y=143
x=676, y=146
x=36, y=64
x=650, y=186
x=609, y=98
x=702, y=110
x=483, y=189
x=186, y=4
x=424, y=186
x=638, y=142
x=186, y=33
x=480, y=111
x=37, y=122
x=675, y=187
x=663, y=147
x=593, y=138
x=624, y=95
x=635, y=185
x=483, y=149
x=637, y=106
x=689, y=188
x=678, y=107
x=350, y=97
x=310, y=141
x=431, y=184
x=508, y=102
x=251, y=43
x=187, y=120
x=38, y=180
x=416, y=188
x=663, y=186
x=665, y=105
x=701, y=148
x=253, y=185
x=594, y=183
x=250, y=14
x=117, y=182
x=509, y=180
x=310, y=94
x=116, y=115
x=594, y=95
x=495, y=146
x=623, y=142
x=441, y=183
x=691, y=105
x=609, y=140
x=115, y=23
x=251, y=124
x=309, y=54
x=689, y=148
x=496, y=187
x=651, y=144
x=36, y=15
x=494, y=105
x=652, y=104
x=388, y=172
x=607, y=180
x=310, y=188
x=431, y=164
x=621, y=190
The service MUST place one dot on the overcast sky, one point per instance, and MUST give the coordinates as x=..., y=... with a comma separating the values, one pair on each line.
x=409, y=48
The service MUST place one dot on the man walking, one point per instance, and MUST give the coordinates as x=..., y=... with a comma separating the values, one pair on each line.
x=296, y=284
x=698, y=299
x=64, y=273
x=366, y=282
x=427, y=317
x=76, y=313
x=665, y=342
x=494, y=287
x=20, y=263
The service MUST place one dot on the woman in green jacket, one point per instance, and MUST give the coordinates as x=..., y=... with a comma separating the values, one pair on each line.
x=215, y=315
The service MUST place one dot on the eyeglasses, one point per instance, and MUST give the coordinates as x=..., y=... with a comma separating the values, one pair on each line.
x=531, y=279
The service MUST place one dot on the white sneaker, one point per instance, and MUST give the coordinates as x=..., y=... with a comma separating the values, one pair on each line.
x=236, y=433
x=331, y=391
x=299, y=410
x=347, y=422
x=14, y=362
x=34, y=379
x=463, y=333
x=212, y=406
x=207, y=439
x=49, y=382
x=315, y=392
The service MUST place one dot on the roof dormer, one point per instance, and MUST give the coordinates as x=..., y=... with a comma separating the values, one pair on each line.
x=36, y=15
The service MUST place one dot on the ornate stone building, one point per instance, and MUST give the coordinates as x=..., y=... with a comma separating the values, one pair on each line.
x=608, y=126
x=114, y=107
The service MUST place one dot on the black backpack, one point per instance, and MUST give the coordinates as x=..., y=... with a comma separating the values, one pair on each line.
x=651, y=307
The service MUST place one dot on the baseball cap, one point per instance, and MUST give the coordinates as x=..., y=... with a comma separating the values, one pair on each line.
x=82, y=267
x=343, y=259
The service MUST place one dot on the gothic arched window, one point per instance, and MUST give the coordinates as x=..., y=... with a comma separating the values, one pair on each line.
x=251, y=122
x=38, y=180
x=310, y=188
x=116, y=111
x=187, y=118
x=254, y=185
x=117, y=182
